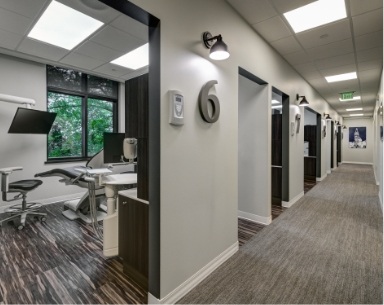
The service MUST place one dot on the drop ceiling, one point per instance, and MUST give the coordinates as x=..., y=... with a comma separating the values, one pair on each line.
x=352, y=44
x=119, y=35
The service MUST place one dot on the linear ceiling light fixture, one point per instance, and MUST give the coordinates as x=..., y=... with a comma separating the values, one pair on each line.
x=355, y=98
x=356, y=114
x=219, y=50
x=303, y=102
x=316, y=14
x=63, y=26
x=354, y=109
x=341, y=77
x=135, y=59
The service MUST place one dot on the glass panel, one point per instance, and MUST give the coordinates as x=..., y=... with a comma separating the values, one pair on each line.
x=65, y=137
x=63, y=78
x=100, y=120
x=102, y=86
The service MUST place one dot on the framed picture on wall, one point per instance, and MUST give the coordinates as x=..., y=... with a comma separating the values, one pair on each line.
x=357, y=137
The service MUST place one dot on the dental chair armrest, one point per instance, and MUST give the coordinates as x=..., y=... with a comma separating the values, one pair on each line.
x=9, y=170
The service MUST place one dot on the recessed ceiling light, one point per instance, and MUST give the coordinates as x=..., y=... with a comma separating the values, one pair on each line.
x=341, y=77
x=354, y=109
x=277, y=107
x=135, y=59
x=63, y=26
x=355, y=98
x=356, y=114
x=315, y=14
x=275, y=102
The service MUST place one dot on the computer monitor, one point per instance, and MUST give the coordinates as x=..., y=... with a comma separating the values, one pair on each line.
x=32, y=121
x=113, y=147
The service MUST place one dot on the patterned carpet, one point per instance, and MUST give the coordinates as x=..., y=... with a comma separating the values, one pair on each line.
x=60, y=262
x=326, y=249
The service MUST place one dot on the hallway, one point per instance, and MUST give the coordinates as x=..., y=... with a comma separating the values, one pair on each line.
x=327, y=248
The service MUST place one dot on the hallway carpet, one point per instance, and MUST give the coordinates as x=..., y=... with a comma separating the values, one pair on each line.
x=325, y=249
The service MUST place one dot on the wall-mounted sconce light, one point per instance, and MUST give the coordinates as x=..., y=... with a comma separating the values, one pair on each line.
x=219, y=50
x=303, y=101
x=327, y=117
x=344, y=127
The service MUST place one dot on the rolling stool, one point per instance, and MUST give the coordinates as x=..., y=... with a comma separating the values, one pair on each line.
x=22, y=187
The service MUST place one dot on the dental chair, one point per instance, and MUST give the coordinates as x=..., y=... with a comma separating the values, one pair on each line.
x=22, y=187
x=79, y=208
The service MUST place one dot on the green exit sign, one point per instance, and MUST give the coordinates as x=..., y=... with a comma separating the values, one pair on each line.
x=347, y=95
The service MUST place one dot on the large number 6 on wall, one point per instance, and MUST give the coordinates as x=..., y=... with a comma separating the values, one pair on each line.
x=204, y=99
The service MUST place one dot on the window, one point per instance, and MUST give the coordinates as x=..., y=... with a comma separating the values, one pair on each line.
x=86, y=107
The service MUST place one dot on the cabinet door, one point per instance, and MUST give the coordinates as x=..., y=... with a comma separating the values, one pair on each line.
x=133, y=239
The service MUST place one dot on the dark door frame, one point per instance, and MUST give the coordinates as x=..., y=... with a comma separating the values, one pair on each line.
x=318, y=141
x=153, y=24
x=339, y=133
x=332, y=144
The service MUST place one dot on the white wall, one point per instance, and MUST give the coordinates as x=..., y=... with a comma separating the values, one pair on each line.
x=199, y=181
x=356, y=155
x=28, y=79
x=254, y=160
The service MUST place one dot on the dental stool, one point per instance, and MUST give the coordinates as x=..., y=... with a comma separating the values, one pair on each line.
x=22, y=187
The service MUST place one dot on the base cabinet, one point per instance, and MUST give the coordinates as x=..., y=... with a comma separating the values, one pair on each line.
x=133, y=238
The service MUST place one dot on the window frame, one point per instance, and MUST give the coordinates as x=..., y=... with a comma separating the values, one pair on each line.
x=84, y=95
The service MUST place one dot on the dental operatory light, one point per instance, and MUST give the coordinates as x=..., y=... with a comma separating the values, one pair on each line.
x=303, y=102
x=341, y=77
x=316, y=14
x=63, y=26
x=219, y=50
x=135, y=59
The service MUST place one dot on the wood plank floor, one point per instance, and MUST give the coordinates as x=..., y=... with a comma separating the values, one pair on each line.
x=247, y=229
x=60, y=261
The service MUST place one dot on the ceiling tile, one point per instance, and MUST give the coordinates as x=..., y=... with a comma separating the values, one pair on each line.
x=360, y=7
x=95, y=9
x=338, y=70
x=286, y=45
x=336, y=61
x=131, y=26
x=284, y=6
x=370, y=54
x=253, y=11
x=98, y=51
x=348, y=85
x=135, y=73
x=81, y=61
x=311, y=75
x=305, y=67
x=369, y=41
x=26, y=8
x=319, y=83
x=370, y=64
x=42, y=50
x=368, y=22
x=297, y=58
x=14, y=23
x=370, y=75
x=330, y=33
x=9, y=40
x=332, y=49
x=117, y=40
x=272, y=29
x=113, y=70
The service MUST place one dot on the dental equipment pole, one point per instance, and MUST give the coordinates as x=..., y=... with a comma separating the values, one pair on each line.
x=28, y=102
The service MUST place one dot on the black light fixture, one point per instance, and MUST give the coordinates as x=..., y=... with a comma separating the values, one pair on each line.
x=344, y=127
x=219, y=50
x=327, y=117
x=303, y=102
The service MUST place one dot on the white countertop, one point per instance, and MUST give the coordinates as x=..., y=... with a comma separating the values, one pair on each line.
x=120, y=179
x=132, y=193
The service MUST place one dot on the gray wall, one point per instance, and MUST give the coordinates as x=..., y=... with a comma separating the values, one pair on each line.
x=253, y=151
x=28, y=79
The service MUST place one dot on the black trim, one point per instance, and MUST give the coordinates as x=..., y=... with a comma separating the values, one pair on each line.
x=251, y=77
x=153, y=23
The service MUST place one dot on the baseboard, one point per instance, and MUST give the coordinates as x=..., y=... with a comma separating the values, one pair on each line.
x=321, y=178
x=381, y=201
x=288, y=204
x=333, y=168
x=329, y=172
x=45, y=201
x=352, y=162
x=195, y=279
x=255, y=218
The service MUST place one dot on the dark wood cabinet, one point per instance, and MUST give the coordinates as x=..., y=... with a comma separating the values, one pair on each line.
x=133, y=238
